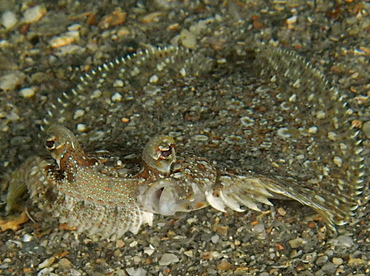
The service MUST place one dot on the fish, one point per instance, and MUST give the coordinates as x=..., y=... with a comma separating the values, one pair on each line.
x=72, y=186
x=245, y=132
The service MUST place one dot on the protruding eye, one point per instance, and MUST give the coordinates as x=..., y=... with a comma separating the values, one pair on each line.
x=50, y=144
x=159, y=153
x=166, y=153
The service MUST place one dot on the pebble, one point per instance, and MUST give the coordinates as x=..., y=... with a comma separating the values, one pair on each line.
x=154, y=16
x=34, y=14
x=313, y=130
x=69, y=49
x=46, y=271
x=222, y=230
x=189, y=253
x=74, y=27
x=123, y=31
x=225, y=266
x=133, y=244
x=355, y=261
x=64, y=263
x=46, y=263
x=337, y=261
x=116, y=18
x=119, y=272
x=12, y=80
x=136, y=272
x=329, y=268
x=188, y=39
x=366, y=129
x=27, y=92
x=344, y=241
x=310, y=257
x=78, y=113
x=281, y=211
x=200, y=137
x=136, y=259
x=215, y=239
x=27, y=238
x=120, y=243
x=291, y=20
x=295, y=243
x=8, y=19
x=75, y=272
x=81, y=127
x=117, y=253
x=64, y=39
x=322, y=260
x=259, y=228
x=149, y=250
x=168, y=258
x=117, y=97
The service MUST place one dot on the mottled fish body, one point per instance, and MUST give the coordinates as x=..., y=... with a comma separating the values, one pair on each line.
x=245, y=133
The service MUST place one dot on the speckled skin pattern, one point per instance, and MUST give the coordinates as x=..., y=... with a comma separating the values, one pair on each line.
x=291, y=136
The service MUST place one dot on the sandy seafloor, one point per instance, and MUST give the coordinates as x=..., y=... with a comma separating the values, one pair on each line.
x=287, y=239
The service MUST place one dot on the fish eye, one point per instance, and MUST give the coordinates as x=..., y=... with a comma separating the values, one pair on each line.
x=50, y=144
x=166, y=153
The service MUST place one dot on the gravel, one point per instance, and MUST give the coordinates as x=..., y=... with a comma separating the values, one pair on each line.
x=42, y=44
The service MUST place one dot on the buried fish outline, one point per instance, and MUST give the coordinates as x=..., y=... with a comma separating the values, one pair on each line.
x=76, y=192
x=329, y=183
